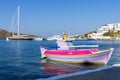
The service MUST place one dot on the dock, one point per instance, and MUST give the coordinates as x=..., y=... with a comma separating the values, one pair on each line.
x=104, y=73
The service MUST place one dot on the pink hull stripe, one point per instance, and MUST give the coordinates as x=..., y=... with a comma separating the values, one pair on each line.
x=71, y=52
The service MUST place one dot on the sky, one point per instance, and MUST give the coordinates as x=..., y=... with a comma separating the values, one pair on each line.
x=53, y=17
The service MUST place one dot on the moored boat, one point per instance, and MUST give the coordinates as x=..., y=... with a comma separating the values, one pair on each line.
x=66, y=53
x=38, y=39
x=18, y=36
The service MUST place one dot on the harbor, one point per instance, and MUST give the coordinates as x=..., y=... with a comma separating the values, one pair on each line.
x=59, y=40
x=21, y=62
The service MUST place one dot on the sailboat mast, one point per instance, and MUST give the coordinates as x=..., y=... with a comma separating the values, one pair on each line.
x=18, y=20
x=13, y=26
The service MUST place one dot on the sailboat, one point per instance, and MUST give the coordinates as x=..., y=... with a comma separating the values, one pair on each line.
x=18, y=36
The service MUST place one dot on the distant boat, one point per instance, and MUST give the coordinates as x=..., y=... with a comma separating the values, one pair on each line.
x=55, y=37
x=69, y=54
x=18, y=36
x=90, y=39
x=38, y=39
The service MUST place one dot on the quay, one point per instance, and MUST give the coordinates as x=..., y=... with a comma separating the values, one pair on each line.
x=103, y=73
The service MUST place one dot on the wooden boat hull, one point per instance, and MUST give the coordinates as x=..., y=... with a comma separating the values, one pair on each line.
x=101, y=57
x=67, y=53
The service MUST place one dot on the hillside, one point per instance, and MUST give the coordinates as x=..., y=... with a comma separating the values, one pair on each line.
x=112, y=34
x=4, y=34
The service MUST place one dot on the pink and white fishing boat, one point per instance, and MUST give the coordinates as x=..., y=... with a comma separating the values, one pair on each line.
x=67, y=53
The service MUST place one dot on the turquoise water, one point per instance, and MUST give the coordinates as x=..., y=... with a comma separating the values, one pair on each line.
x=20, y=60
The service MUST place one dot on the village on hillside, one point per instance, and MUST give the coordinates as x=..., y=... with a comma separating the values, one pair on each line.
x=105, y=32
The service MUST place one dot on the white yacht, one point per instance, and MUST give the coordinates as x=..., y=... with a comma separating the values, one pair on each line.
x=55, y=37
x=38, y=39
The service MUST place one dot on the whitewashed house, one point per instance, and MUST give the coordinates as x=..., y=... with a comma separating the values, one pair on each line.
x=105, y=28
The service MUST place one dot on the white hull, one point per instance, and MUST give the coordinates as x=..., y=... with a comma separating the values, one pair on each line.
x=18, y=38
x=38, y=39
x=102, y=58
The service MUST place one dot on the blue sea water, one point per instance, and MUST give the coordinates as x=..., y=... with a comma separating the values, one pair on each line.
x=20, y=60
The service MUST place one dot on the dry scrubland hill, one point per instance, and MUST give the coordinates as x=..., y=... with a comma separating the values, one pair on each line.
x=4, y=34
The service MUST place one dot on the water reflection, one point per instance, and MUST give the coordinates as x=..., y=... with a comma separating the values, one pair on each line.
x=16, y=50
x=57, y=68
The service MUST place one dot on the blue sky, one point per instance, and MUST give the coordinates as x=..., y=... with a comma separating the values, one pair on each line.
x=50, y=17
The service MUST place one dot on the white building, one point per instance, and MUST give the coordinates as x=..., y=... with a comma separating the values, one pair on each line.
x=105, y=28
